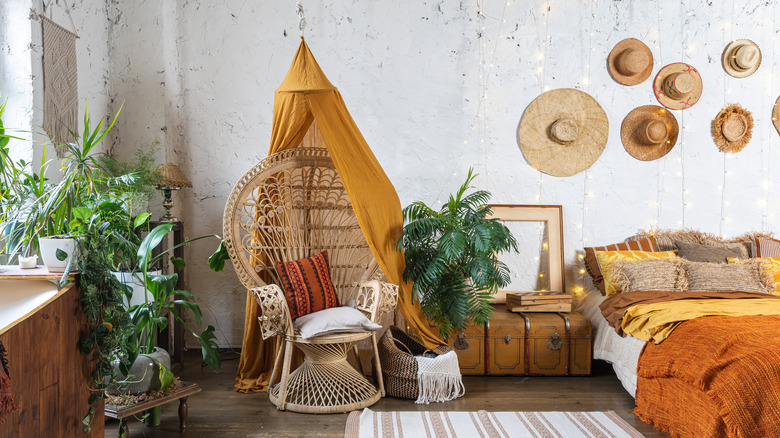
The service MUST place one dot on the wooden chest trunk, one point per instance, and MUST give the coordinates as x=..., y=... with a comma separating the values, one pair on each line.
x=469, y=345
x=532, y=344
x=538, y=344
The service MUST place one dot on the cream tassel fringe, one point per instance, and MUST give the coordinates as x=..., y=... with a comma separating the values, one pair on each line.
x=439, y=379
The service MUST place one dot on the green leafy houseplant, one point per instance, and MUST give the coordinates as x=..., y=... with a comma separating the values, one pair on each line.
x=452, y=257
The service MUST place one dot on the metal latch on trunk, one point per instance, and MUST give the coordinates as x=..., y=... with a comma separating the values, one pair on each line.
x=461, y=343
x=555, y=342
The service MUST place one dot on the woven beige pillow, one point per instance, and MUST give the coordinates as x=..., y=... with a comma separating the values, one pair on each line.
x=748, y=276
x=664, y=240
x=660, y=275
x=709, y=253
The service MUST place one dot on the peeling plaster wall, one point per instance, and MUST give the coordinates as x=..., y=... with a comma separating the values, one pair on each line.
x=16, y=86
x=436, y=88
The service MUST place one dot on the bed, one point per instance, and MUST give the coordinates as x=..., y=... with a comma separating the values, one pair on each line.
x=698, y=363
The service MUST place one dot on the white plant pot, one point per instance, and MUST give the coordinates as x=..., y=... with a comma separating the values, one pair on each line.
x=136, y=284
x=48, y=247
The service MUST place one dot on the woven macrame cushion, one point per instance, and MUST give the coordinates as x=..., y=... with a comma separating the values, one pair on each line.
x=607, y=260
x=659, y=275
x=696, y=252
x=665, y=240
x=772, y=264
x=748, y=276
x=307, y=285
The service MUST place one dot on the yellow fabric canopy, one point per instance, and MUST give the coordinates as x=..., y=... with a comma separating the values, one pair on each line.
x=304, y=96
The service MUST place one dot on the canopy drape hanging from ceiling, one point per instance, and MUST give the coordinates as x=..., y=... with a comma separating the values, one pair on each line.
x=304, y=96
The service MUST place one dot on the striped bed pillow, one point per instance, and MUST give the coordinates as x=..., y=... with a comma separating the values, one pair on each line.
x=307, y=285
x=766, y=247
x=592, y=263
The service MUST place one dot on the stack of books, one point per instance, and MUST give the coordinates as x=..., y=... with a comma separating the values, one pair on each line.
x=538, y=302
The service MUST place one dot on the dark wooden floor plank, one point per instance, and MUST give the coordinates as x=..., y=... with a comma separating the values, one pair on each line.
x=219, y=411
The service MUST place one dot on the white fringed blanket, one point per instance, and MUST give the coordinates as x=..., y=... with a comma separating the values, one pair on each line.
x=438, y=378
x=373, y=424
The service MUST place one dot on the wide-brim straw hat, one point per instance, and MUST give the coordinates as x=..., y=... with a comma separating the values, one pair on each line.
x=678, y=86
x=563, y=132
x=776, y=115
x=732, y=128
x=741, y=58
x=630, y=62
x=649, y=132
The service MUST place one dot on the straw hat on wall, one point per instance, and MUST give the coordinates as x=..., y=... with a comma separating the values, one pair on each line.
x=678, y=86
x=776, y=115
x=563, y=132
x=630, y=62
x=649, y=132
x=732, y=128
x=741, y=58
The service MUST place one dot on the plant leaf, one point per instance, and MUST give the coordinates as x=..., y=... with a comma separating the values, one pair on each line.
x=61, y=255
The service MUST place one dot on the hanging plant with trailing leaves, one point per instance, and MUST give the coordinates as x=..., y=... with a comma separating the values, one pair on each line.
x=452, y=257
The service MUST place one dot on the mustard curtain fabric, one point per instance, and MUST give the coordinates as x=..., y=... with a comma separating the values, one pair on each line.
x=304, y=96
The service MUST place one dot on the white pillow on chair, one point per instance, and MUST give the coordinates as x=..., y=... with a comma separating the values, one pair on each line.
x=334, y=320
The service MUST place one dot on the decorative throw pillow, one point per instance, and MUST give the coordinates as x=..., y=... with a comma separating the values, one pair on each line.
x=766, y=247
x=592, y=263
x=607, y=260
x=747, y=276
x=706, y=253
x=660, y=275
x=772, y=265
x=307, y=285
x=334, y=320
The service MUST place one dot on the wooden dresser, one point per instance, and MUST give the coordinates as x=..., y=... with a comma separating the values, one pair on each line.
x=49, y=374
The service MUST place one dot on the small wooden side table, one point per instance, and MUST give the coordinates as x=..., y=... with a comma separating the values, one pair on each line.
x=119, y=412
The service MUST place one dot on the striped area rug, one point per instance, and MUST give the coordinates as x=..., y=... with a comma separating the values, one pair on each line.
x=451, y=424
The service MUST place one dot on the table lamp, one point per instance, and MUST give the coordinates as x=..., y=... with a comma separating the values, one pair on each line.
x=171, y=178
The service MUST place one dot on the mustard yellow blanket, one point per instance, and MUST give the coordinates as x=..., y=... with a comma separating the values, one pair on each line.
x=656, y=321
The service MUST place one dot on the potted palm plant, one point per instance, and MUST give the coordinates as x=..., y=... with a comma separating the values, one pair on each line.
x=452, y=257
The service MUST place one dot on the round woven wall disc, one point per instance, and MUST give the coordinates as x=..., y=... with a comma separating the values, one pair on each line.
x=563, y=132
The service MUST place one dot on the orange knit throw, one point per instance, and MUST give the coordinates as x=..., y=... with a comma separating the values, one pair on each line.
x=713, y=376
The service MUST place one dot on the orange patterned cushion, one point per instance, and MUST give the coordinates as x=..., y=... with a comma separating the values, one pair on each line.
x=592, y=263
x=307, y=285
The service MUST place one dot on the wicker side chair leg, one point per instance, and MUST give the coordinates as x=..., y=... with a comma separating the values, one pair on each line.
x=277, y=364
x=378, y=367
x=357, y=358
x=281, y=403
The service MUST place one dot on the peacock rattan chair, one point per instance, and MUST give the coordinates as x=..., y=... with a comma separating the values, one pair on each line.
x=290, y=206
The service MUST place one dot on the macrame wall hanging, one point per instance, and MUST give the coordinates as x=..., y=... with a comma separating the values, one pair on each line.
x=60, y=83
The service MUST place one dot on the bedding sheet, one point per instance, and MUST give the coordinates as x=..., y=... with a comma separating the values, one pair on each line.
x=654, y=315
x=622, y=352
